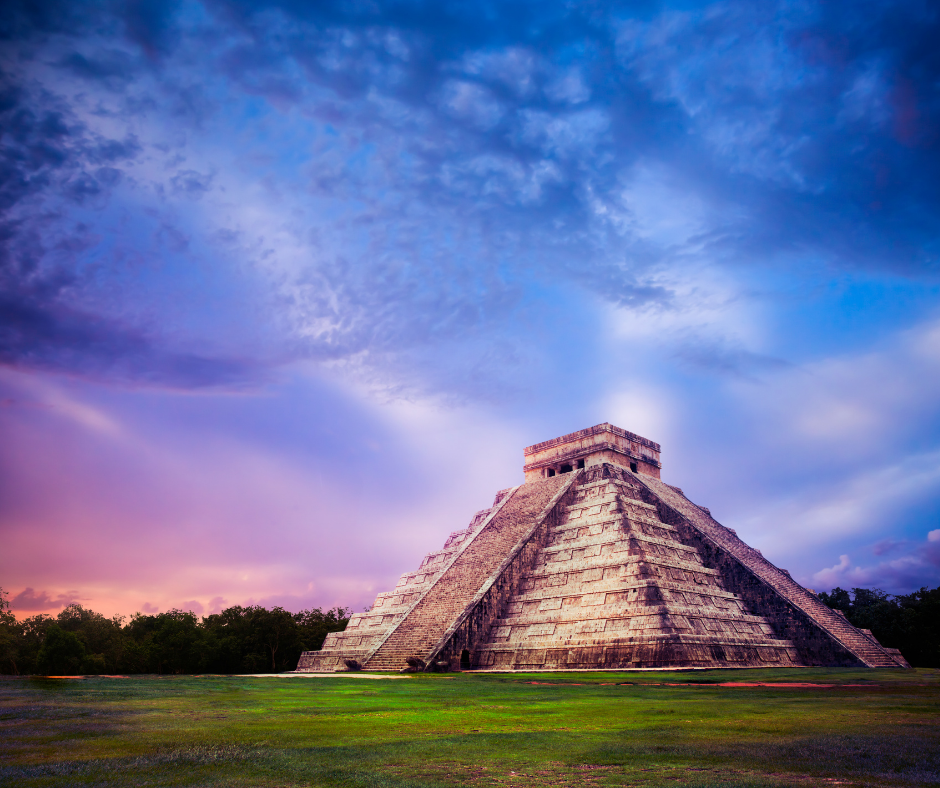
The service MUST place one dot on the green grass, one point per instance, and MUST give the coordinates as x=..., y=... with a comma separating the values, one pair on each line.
x=570, y=729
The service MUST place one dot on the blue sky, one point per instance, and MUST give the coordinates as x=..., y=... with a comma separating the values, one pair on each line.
x=285, y=288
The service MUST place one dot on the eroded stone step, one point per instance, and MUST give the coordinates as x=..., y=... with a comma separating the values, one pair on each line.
x=610, y=518
x=626, y=560
x=455, y=588
x=614, y=612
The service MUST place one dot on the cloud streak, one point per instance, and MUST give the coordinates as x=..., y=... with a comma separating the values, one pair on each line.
x=435, y=124
x=282, y=226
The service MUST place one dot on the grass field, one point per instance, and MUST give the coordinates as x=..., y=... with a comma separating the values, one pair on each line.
x=574, y=729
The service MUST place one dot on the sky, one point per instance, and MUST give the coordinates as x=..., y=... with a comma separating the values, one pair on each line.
x=287, y=287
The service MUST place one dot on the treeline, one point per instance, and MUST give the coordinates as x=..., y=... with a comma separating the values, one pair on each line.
x=237, y=640
x=909, y=622
x=258, y=640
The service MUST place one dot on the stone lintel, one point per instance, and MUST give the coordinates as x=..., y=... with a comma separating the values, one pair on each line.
x=597, y=429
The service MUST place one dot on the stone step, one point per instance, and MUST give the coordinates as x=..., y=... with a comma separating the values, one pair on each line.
x=825, y=618
x=582, y=642
x=448, y=597
x=620, y=559
x=615, y=530
x=623, y=539
x=544, y=590
x=611, y=612
x=610, y=518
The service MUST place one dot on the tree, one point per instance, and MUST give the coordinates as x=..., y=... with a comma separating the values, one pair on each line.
x=909, y=622
x=32, y=636
x=172, y=640
x=273, y=629
x=10, y=636
x=837, y=599
x=253, y=638
x=176, y=642
x=62, y=653
x=921, y=611
x=315, y=625
x=232, y=648
x=103, y=637
x=237, y=640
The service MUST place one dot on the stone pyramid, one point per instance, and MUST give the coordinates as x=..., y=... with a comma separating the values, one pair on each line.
x=594, y=563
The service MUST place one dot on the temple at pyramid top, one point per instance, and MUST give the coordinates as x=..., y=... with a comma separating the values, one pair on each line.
x=592, y=446
x=596, y=563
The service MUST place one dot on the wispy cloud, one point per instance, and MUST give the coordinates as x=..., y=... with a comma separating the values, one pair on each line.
x=279, y=226
x=508, y=150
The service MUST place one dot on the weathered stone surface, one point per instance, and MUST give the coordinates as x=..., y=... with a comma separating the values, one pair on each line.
x=592, y=446
x=366, y=630
x=447, y=597
x=823, y=636
x=601, y=566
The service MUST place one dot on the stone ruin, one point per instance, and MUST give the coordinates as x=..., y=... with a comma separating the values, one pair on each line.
x=595, y=563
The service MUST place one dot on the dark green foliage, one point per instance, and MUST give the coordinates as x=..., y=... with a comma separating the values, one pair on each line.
x=257, y=640
x=10, y=636
x=237, y=640
x=909, y=622
x=102, y=637
x=254, y=639
x=62, y=653
x=314, y=625
x=173, y=641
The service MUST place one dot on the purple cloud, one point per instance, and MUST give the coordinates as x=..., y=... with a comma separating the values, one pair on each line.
x=917, y=569
x=252, y=254
x=29, y=601
x=887, y=546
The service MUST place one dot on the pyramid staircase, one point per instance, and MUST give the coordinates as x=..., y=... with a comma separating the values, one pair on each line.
x=614, y=585
x=423, y=626
x=366, y=630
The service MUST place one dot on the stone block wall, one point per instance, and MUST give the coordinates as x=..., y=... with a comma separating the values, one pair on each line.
x=592, y=446
x=822, y=636
x=611, y=585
